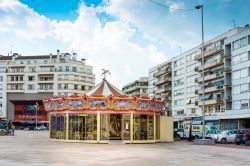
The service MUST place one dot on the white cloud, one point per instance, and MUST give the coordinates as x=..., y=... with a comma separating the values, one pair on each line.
x=105, y=46
x=17, y=18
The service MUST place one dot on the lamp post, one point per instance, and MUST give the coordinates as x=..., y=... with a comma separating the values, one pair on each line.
x=37, y=107
x=200, y=7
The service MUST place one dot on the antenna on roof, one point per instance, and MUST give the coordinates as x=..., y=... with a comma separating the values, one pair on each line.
x=233, y=22
x=11, y=51
x=180, y=49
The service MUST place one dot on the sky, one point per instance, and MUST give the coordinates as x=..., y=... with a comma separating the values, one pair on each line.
x=128, y=37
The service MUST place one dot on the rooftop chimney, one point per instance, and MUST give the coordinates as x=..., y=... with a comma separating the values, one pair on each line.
x=83, y=61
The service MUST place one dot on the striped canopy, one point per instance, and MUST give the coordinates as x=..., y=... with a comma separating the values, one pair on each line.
x=105, y=89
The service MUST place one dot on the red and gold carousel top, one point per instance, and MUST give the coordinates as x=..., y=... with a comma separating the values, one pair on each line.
x=103, y=97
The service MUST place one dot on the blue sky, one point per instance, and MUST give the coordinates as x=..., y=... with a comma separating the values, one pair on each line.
x=127, y=37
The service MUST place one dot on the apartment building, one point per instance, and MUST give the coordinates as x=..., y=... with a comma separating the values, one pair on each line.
x=184, y=74
x=160, y=84
x=137, y=88
x=217, y=77
x=237, y=48
x=187, y=83
x=28, y=79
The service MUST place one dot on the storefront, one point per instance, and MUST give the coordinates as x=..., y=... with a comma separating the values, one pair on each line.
x=106, y=114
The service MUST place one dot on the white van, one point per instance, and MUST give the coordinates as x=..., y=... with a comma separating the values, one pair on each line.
x=197, y=129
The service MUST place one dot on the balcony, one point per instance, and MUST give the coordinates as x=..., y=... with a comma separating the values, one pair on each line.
x=210, y=77
x=162, y=90
x=208, y=53
x=161, y=72
x=210, y=65
x=162, y=81
x=211, y=89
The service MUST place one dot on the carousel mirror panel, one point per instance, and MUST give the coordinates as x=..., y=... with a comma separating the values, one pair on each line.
x=143, y=127
x=58, y=126
x=82, y=126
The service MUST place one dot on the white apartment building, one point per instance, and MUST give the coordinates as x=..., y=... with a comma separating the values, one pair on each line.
x=187, y=80
x=184, y=86
x=137, y=88
x=160, y=84
x=237, y=47
x=28, y=79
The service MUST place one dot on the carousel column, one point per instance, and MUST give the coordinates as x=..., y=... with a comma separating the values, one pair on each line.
x=131, y=127
x=154, y=127
x=98, y=126
x=49, y=125
x=67, y=125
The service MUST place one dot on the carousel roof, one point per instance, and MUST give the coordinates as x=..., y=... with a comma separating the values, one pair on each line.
x=104, y=88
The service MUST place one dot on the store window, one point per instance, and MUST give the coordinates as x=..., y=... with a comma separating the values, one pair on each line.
x=58, y=126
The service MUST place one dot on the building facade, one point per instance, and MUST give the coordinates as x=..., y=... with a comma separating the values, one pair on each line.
x=237, y=48
x=219, y=97
x=184, y=74
x=27, y=79
x=137, y=88
x=160, y=84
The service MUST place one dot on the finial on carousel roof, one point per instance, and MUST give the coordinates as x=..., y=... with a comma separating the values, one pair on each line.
x=104, y=72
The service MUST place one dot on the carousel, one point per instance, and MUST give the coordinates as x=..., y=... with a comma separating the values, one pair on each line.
x=104, y=113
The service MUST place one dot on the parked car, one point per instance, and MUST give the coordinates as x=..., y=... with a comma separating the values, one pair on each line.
x=243, y=137
x=40, y=128
x=212, y=134
x=180, y=133
x=227, y=136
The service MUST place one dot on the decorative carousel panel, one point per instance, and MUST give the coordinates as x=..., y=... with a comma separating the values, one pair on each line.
x=157, y=106
x=141, y=104
x=57, y=104
x=47, y=106
x=75, y=103
x=122, y=104
x=98, y=103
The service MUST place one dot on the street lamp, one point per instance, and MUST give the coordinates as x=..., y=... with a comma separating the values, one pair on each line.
x=37, y=107
x=200, y=7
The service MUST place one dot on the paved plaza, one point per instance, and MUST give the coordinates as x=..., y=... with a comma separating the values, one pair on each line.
x=33, y=148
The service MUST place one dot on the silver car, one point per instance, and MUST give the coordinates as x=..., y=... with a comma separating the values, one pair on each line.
x=227, y=136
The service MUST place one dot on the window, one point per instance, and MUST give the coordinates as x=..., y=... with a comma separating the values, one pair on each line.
x=60, y=68
x=179, y=92
x=1, y=95
x=240, y=73
x=244, y=104
x=191, y=68
x=1, y=78
x=178, y=62
x=1, y=104
x=178, y=72
x=240, y=43
x=31, y=78
x=65, y=86
x=75, y=87
x=74, y=69
x=59, y=86
x=67, y=68
x=32, y=69
x=191, y=79
x=45, y=61
x=31, y=87
x=82, y=87
x=178, y=82
x=190, y=89
x=191, y=57
x=244, y=88
x=179, y=102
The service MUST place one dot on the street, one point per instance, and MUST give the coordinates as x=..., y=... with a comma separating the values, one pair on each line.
x=34, y=148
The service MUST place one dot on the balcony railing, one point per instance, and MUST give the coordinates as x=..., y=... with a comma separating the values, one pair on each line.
x=211, y=77
x=163, y=71
x=211, y=89
x=162, y=81
x=208, y=53
x=211, y=64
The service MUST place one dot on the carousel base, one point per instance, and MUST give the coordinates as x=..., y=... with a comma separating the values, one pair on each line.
x=108, y=141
